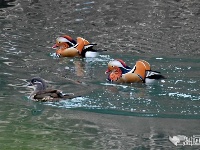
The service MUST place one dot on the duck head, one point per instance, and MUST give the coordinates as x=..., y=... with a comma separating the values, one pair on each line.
x=117, y=63
x=116, y=68
x=64, y=42
x=37, y=83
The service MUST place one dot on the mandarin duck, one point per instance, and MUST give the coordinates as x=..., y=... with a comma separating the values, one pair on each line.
x=68, y=47
x=42, y=94
x=141, y=72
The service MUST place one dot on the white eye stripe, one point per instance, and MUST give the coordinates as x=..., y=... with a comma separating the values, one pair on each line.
x=37, y=82
x=116, y=63
x=62, y=39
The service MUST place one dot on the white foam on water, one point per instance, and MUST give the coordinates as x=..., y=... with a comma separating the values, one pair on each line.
x=100, y=58
x=117, y=85
x=183, y=95
x=78, y=102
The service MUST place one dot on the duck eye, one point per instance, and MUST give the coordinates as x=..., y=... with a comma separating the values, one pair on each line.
x=34, y=81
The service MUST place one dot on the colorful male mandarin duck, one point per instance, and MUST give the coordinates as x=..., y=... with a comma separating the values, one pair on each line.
x=42, y=94
x=140, y=73
x=68, y=47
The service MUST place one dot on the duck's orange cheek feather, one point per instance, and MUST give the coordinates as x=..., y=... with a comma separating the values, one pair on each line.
x=58, y=51
x=115, y=77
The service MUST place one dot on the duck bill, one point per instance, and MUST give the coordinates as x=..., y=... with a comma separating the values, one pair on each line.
x=29, y=84
x=55, y=46
x=107, y=71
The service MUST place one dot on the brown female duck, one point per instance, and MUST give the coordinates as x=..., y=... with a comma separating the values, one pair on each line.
x=41, y=93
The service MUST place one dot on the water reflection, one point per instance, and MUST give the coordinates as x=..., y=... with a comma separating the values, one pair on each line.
x=37, y=109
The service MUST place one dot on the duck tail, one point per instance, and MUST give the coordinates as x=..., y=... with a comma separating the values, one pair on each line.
x=154, y=75
x=68, y=96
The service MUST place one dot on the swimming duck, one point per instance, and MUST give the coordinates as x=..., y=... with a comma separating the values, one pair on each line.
x=140, y=73
x=41, y=93
x=68, y=47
